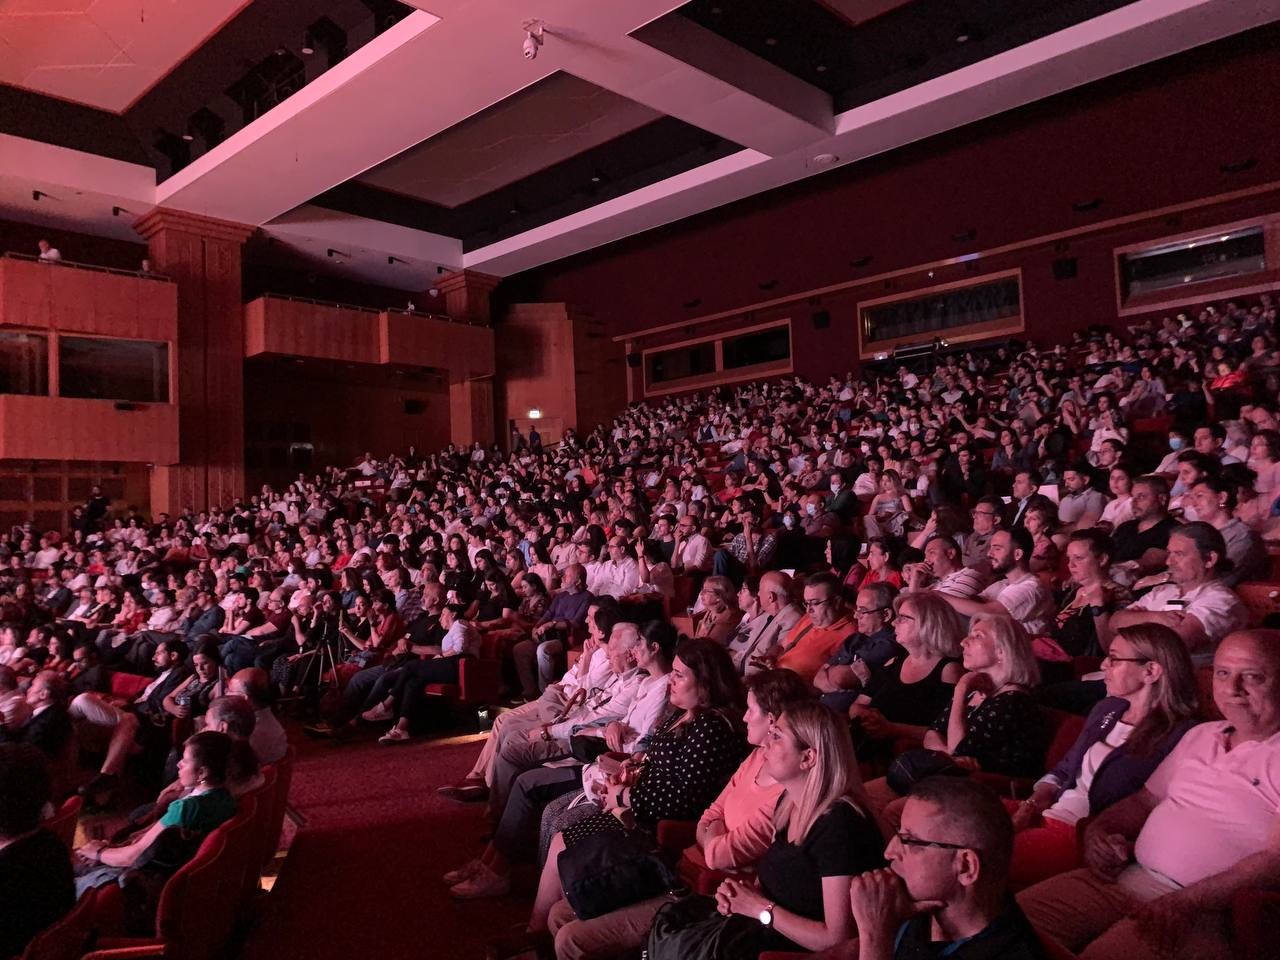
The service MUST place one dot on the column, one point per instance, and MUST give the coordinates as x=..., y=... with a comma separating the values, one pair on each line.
x=466, y=295
x=470, y=410
x=203, y=256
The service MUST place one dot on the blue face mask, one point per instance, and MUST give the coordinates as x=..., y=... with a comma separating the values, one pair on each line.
x=811, y=508
x=1175, y=443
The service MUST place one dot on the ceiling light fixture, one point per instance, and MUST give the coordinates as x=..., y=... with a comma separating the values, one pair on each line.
x=825, y=160
x=308, y=45
x=821, y=68
x=770, y=41
x=37, y=195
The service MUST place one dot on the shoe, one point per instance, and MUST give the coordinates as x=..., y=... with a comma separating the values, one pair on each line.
x=464, y=872
x=476, y=794
x=320, y=731
x=394, y=735
x=484, y=884
x=378, y=714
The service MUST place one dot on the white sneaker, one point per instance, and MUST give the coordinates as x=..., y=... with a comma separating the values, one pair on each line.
x=378, y=714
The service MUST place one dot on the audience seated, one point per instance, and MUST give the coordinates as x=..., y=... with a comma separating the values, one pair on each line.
x=1037, y=502
x=1164, y=862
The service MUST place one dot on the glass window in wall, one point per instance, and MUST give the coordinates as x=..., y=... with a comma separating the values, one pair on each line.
x=1213, y=257
x=936, y=313
x=24, y=363
x=681, y=362
x=96, y=368
x=762, y=346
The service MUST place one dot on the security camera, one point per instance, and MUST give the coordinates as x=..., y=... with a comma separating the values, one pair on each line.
x=532, y=38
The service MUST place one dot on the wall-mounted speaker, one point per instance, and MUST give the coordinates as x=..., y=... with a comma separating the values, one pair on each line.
x=1065, y=268
x=821, y=319
x=633, y=360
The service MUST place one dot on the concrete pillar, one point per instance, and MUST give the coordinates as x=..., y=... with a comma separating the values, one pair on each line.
x=203, y=256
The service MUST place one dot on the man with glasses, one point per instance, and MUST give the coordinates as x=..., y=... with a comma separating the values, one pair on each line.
x=817, y=635
x=841, y=679
x=986, y=520
x=945, y=891
x=1164, y=864
x=617, y=577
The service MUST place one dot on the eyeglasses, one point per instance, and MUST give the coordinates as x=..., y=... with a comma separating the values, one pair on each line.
x=908, y=841
x=867, y=613
x=1110, y=659
x=813, y=604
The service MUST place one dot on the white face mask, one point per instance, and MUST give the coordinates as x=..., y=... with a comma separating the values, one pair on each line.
x=811, y=508
x=788, y=521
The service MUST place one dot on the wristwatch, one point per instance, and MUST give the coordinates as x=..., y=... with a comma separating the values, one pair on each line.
x=766, y=916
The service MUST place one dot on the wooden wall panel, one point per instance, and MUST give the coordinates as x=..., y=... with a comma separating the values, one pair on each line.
x=536, y=366
x=73, y=300
x=274, y=325
x=463, y=350
x=64, y=428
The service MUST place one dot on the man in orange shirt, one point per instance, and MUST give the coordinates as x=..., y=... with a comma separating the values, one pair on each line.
x=819, y=633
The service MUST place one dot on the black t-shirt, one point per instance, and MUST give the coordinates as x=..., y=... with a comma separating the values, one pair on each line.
x=36, y=888
x=1131, y=543
x=1008, y=937
x=841, y=843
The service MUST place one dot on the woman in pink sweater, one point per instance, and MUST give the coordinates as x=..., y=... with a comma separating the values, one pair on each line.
x=731, y=835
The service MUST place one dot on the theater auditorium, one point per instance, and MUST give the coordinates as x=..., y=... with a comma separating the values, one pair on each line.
x=619, y=479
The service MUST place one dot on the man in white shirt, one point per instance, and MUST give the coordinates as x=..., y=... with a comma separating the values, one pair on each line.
x=1188, y=597
x=941, y=571
x=778, y=614
x=1018, y=592
x=48, y=253
x=616, y=577
x=1164, y=864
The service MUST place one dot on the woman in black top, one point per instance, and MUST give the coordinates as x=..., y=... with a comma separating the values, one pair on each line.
x=905, y=695
x=823, y=838
x=690, y=758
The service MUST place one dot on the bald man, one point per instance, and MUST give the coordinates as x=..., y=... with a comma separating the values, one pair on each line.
x=1164, y=863
x=775, y=614
x=268, y=739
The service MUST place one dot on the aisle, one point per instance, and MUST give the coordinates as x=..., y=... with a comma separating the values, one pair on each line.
x=362, y=878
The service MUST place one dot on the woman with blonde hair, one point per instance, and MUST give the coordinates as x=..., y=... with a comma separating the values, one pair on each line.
x=891, y=509
x=1150, y=704
x=992, y=723
x=823, y=837
x=720, y=613
x=903, y=698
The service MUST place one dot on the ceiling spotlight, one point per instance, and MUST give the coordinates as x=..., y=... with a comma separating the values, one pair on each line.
x=333, y=254
x=533, y=38
x=308, y=45
x=825, y=160
x=770, y=41
x=821, y=68
x=187, y=135
x=433, y=292
x=116, y=211
x=37, y=194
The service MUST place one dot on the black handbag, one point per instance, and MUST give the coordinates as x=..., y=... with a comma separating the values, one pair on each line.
x=612, y=869
x=587, y=749
x=692, y=929
x=909, y=768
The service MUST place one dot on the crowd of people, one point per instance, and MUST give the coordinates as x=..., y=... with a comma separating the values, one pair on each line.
x=817, y=620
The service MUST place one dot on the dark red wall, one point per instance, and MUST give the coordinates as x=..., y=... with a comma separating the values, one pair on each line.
x=1150, y=138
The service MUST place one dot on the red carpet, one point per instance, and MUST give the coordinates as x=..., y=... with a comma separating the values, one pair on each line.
x=362, y=878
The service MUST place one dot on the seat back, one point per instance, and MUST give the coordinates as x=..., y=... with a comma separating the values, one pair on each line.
x=241, y=852
x=63, y=823
x=67, y=938
x=187, y=914
x=1065, y=728
x=280, y=803
x=263, y=799
x=1260, y=599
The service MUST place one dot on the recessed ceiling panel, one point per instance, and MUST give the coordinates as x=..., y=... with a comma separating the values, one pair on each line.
x=539, y=127
x=102, y=53
x=861, y=50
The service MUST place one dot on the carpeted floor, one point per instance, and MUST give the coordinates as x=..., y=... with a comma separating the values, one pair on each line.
x=362, y=877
